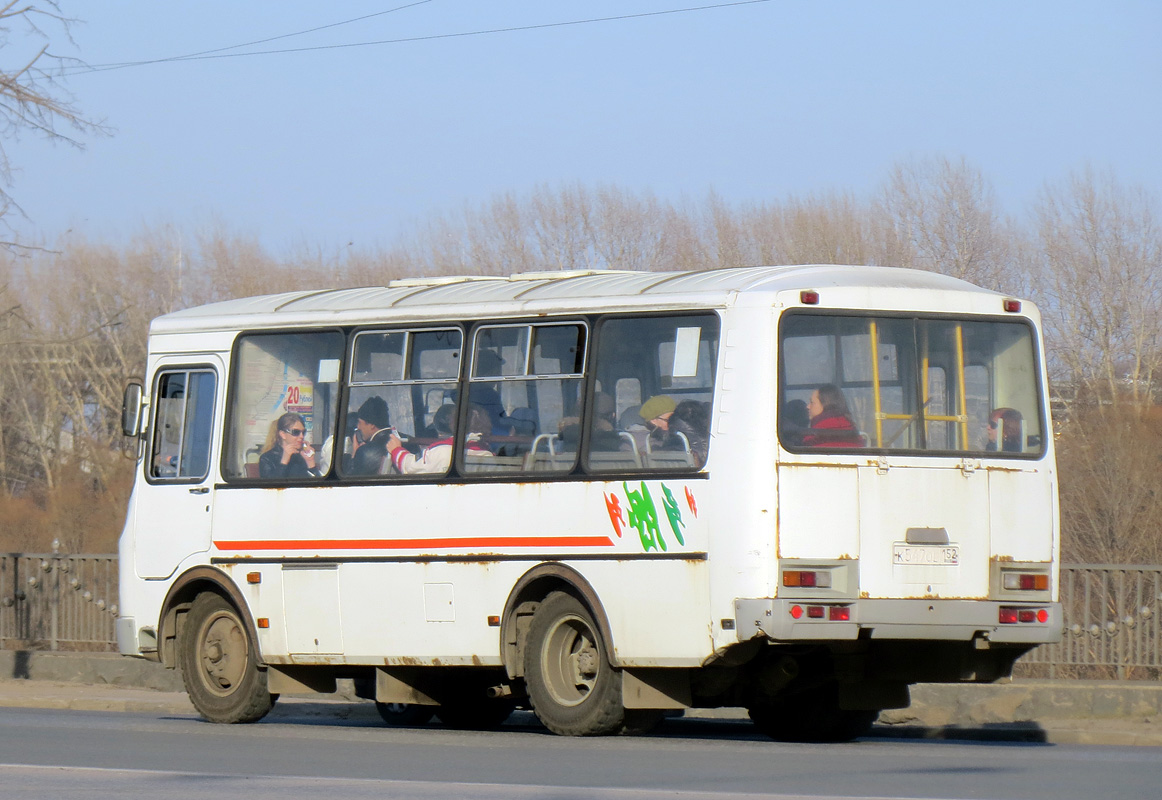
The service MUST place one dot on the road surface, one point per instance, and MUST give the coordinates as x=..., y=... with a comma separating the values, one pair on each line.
x=99, y=755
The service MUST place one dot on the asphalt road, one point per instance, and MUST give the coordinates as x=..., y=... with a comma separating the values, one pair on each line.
x=99, y=755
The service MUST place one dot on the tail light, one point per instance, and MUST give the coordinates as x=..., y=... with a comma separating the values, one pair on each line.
x=818, y=579
x=1025, y=581
x=821, y=612
x=1014, y=616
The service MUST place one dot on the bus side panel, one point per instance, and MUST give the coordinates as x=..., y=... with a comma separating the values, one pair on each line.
x=414, y=572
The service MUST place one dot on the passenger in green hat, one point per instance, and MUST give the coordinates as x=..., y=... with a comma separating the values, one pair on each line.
x=678, y=426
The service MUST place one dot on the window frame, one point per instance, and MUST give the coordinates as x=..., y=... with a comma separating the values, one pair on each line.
x=591, y=323
x=228, y=417
x=155, y=410
x=915, y=317
x=581, y=321
x=530, y=345
x=347, y=384
x=584, y=449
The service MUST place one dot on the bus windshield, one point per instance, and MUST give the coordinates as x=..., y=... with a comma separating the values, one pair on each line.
x=889, y=383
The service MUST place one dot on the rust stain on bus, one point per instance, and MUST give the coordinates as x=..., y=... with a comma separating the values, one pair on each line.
x=826, y=465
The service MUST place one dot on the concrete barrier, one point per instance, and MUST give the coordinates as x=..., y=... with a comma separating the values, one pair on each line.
x=935, y=705
x=108, y=669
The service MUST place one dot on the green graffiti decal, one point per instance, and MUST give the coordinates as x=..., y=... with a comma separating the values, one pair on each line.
x=673, y=513
x=643, y=515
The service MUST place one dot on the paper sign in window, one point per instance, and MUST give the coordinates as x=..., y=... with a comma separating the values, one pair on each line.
x=686, y=352
x=328, y=370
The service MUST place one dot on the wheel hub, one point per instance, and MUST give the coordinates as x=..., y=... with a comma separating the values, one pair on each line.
x=571, y=661
x=224, y=653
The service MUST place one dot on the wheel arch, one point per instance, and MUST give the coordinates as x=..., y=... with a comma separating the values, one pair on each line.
x=533, y=587
x=181, y=595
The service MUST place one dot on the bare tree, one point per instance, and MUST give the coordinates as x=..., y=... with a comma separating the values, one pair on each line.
x=1101, y=281
x=570, y=227
x=817, y=229
x=944, y=218
x=1111, y=490
x=32, y=97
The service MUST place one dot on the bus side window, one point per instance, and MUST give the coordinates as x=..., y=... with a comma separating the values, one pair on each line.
x=406, y=381
x=292, y=377
x=527, y=381
x=183, y=425
x=658, y=367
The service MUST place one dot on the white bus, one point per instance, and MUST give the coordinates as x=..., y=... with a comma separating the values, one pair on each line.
x=599, y=495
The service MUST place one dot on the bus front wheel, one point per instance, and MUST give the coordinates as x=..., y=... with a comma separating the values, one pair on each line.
x=572, y=686
x=219, y=663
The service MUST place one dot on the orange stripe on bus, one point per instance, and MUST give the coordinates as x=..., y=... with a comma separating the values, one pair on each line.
x=409, y=544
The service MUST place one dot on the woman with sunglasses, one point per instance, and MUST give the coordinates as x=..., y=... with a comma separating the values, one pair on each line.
x=287, y=454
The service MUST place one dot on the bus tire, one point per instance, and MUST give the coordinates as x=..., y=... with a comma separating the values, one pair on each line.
x=404, y=715
x=219, y=663
x=572, y=687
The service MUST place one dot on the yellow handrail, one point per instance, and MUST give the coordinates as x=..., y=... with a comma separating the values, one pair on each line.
x=962, y=389
x=924, y=365
x=961, y=415
x=875, y=354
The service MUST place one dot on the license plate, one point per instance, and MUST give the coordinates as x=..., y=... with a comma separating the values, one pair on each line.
x=926, y=555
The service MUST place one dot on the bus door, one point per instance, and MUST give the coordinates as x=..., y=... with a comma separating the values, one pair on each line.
x=173, y=505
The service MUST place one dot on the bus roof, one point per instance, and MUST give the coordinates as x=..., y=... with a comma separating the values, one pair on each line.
x=538, y=292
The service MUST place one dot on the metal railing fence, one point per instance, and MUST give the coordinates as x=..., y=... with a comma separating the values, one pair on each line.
x=1113, y=614
x=51, y=601
x=1113, y=625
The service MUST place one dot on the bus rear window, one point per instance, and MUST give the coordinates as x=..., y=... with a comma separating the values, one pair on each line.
x=895, y=384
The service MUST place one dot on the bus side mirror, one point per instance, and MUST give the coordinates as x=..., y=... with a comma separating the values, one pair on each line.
x=131, y=409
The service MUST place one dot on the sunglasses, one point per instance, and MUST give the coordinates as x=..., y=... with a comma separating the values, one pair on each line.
x=295, y=432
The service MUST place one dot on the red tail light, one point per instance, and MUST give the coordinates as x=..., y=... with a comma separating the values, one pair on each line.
x=839, y=614
x=1009, y=616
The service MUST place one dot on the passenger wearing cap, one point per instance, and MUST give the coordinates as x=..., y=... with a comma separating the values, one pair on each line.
x=369, y=444
x=667, y=419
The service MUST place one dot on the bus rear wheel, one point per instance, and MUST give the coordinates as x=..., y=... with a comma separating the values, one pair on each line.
x=219, y=663
x=572, y=686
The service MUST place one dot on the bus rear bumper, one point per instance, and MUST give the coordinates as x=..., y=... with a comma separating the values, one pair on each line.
x=793, y=620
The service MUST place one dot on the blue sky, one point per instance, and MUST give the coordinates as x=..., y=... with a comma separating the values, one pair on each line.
x=755, y=102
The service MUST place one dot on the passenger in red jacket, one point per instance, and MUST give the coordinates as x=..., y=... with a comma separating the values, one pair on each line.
x=831, y=423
